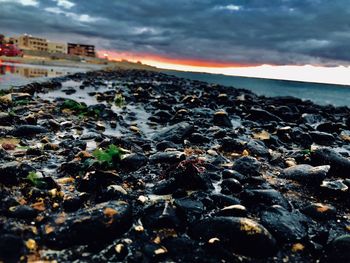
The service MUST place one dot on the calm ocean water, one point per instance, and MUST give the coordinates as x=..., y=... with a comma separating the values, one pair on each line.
x=323, y=94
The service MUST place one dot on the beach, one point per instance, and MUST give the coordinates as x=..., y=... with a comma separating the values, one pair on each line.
x=129, y=165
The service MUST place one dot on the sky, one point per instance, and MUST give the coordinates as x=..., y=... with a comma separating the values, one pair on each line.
x=290, y=39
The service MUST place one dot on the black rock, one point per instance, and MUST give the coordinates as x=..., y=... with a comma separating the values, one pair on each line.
x=198, y=138
x=221, y=201
x=266, y=197
x=231, y=186
x=161, y=146
x=12, y=172
x=133, y=161
x=241, y=235
x=262, y=116
x=101, y=223
x=305, y=173
x=284, y=225
x=340, y=166
x=221, y=119
x=167, y=157
x=28, y=130
x=191, y=176
x=188, y=208
x=232, y=210
x=232, y=174
x=339, y=250
x=320, y=211
x=248, y=166
x=322, y=138
x=175, y=133
x=23, y=212
x=161, y=215
x=11, y=248
x=258, y=148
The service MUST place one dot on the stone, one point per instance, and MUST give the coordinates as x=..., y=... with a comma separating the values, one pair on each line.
x=28, y=130
x=233, y=210
x=339, y=250
x=241, y=235
x=284, y=225
x=248, y=166
x=23, y=212
x=258, y=148
x=340, y=166
x=11, y=248
x=133, y=161
x=100, y=223
x=320, y=211
x=221, y=119
x=261, y=115
x=322, y=138
x=265, y=197
x=231, y=186
x=175, y=133
x=305, y=173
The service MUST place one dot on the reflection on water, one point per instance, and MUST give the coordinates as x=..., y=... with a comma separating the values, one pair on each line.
x=21, y=74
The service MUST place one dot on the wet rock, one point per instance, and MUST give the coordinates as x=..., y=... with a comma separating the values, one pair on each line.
x=241, y=235
x=221, y=119
x=175, y=133
x=28, y=130
x=133, y=161
x=23, y=212
x=161, y=215
x=339, y=250
x=167, y=157
x=231, y=186
x=233, y=210
x=221, y=201
x=320, y=211
x=198, y=138
x=101, y=223
x=11, y=248
x=336, y=187
x=12, y=172
x=322, y=138
x=191, y=175
x=231, y=145
x=232, y=174
x=248, y=166
x=161, y=146
x=258, y=148
x=284, y=225
x=189, y=209
x=261, y=115
x=340, y=165
x=6, y=119
x=265, y=196
x=305, y=173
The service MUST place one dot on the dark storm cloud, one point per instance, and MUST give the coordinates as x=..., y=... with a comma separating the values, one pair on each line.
x=246, y=31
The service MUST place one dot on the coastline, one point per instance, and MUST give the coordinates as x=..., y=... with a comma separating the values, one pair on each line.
x=140, y=155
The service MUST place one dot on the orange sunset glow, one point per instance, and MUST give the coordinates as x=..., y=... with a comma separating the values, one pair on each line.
x=308, y=73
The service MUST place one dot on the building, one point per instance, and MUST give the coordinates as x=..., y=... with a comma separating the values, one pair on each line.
x=27, y=42
x=2, y=39
x=54, y=47
x=81, y=50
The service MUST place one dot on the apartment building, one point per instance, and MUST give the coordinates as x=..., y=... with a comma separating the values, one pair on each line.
x=27, y=42
x=55, y=47
x=81, y=50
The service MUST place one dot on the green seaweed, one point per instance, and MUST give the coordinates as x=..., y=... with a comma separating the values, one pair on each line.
x=35, y=180
x=110, y=157
x=119, y=100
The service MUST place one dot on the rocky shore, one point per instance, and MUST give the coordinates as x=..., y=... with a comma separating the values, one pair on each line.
x=139, y=166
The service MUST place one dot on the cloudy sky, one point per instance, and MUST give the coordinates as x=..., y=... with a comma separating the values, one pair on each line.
x=220, y=32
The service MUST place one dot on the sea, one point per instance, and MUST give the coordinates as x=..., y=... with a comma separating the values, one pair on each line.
x=12, y=75
x=323, y=94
